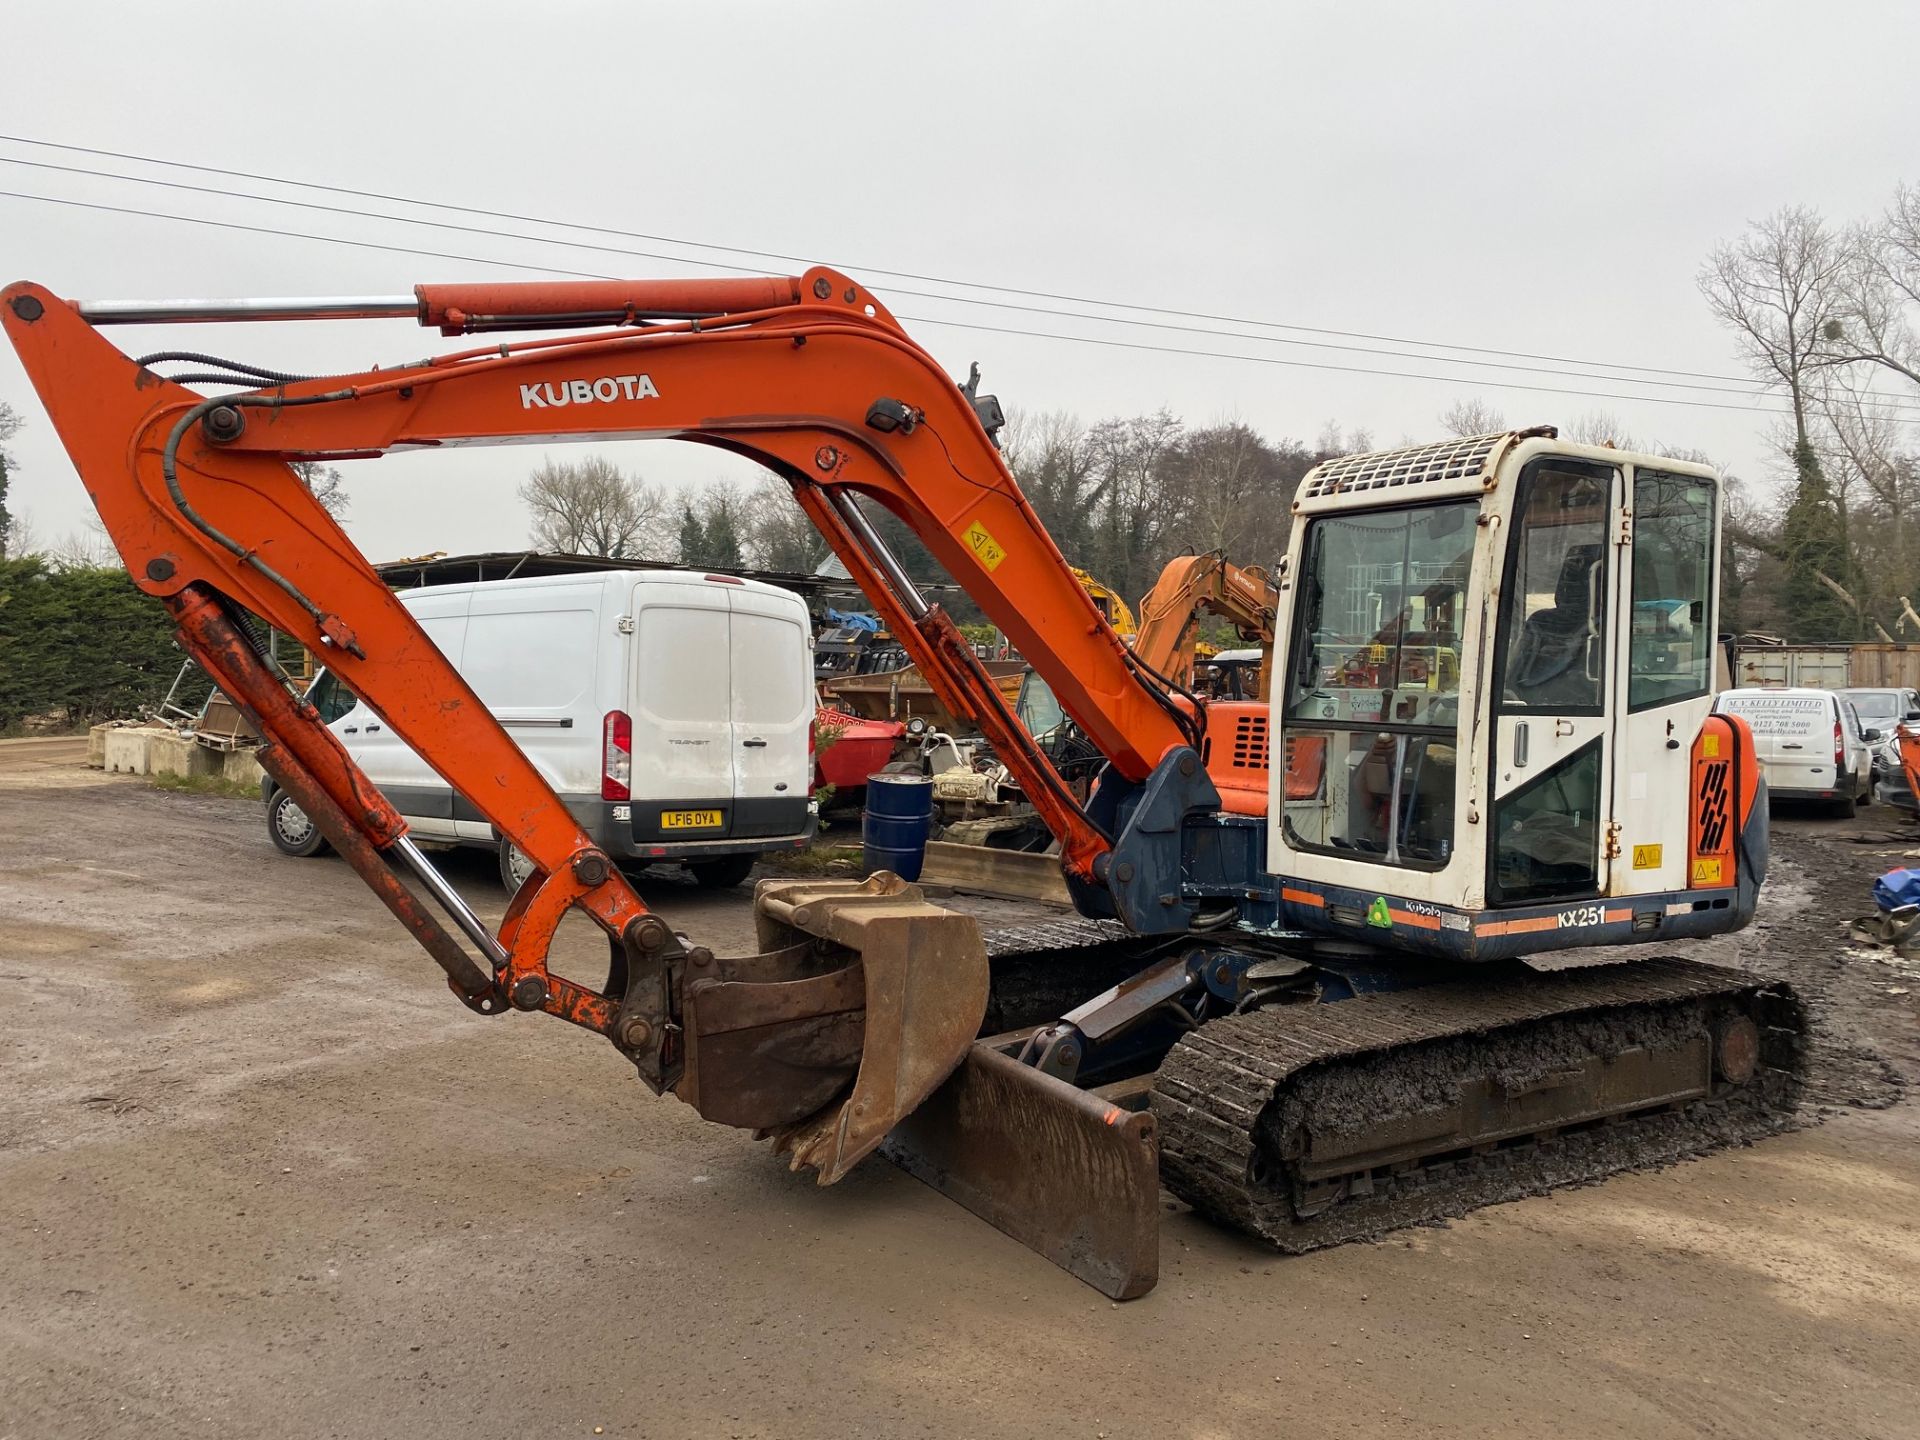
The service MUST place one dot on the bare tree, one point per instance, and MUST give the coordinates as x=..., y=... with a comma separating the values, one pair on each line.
x=1220, y=471
x=1778, y=288
x=1472, y=417
x=778, y=535
x=1597, y=427
x=588, y=507
x=327, y=485
x=1881, y=291
x=1781, y=289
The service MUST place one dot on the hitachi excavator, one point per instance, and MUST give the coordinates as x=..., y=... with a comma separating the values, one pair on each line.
x=1428, y=979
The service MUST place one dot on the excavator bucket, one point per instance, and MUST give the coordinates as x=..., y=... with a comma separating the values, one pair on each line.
x=864, y=998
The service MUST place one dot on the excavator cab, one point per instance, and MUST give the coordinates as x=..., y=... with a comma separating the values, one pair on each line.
x=1505, y=751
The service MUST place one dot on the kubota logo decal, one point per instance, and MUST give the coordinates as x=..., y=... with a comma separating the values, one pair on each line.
x=601, y=390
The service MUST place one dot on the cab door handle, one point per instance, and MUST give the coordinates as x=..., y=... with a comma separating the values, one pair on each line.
x=754, y=744
x=351, y=730
x=372, y=728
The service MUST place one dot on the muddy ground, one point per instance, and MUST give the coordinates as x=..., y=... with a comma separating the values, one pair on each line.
x=261, y=1174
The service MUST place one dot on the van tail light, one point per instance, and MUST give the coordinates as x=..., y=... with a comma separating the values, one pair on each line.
x=1839, y=748
x=616, y=773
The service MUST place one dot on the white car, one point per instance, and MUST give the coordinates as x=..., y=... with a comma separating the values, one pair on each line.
x=1810, y=744
x=671, y=711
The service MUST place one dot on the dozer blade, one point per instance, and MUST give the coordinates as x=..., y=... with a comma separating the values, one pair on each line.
x=1058, y=1169
x=858, y=981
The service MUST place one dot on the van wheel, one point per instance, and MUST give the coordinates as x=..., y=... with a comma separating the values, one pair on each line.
x=514, y=866
x=291, y=831
x=719, y=874
x=1841, y=809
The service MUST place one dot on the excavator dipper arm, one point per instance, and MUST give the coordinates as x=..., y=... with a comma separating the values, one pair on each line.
x=810, y=376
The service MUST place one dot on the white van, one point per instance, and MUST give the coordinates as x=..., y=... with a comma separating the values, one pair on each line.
x=1810, y=744
x=671, y=711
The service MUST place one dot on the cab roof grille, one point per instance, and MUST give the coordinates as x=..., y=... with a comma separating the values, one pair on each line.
x=1449, y=460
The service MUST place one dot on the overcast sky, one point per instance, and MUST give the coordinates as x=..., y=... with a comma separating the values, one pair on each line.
x=1528, y=176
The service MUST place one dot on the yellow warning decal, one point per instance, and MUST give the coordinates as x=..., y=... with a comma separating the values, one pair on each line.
x=1647, y=857
x=1709, y=872
x=985, y=548
x=1709, y=746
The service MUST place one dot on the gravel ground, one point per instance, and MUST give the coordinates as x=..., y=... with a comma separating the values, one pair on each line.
x=261, y=1174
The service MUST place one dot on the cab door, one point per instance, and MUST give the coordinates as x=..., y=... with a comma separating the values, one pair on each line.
x=1554, y=670
x=1667, y=647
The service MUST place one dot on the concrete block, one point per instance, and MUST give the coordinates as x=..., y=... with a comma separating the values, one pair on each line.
x=242, y=769
x=125, y=751
x=97, y=746
x=170, y=754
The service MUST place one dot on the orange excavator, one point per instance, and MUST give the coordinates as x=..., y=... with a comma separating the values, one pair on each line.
x=1192, y=585
x=1313, y=1016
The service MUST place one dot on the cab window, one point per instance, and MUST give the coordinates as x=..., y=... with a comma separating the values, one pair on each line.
x=1671, y=655
x=330, y=697
x=1374, y=679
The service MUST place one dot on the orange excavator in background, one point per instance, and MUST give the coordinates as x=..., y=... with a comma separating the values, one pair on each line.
x=1313, y=1017
x=1190, y=585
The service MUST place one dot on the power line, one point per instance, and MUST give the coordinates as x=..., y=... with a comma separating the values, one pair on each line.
x=1743, y=388
x=1890, y=406
x=865, y=269
x=918, y=320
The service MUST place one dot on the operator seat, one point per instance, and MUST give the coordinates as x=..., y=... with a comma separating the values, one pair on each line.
x=1547, y=667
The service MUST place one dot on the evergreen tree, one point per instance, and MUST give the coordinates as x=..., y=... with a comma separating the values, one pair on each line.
x=693, y=537
x=1813, y=543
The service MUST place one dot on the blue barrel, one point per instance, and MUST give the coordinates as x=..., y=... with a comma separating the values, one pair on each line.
x=893, y=832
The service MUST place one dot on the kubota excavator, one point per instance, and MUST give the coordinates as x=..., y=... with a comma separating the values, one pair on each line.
x=1308, y=1014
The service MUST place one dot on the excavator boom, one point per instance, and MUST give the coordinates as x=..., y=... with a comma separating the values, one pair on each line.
x=830, y=1036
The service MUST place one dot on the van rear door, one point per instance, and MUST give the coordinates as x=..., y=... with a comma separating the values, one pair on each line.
x=1792, y=735
x=682, y=779
x=772, y=708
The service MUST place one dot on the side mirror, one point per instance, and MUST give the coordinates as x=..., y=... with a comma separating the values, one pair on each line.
x=1871, y=735
x=1913, y=715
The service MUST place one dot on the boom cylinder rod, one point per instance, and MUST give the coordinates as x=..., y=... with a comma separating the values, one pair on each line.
x=449, y=899
x=909, y=593
x=176, y=312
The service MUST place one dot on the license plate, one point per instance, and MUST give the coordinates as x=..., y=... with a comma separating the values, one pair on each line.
x=689, y=819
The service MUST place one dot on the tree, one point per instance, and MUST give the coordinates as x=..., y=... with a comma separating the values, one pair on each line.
x=588, y=507
x=326, y=484
x=693, y=536
x=779, y=536
x=9, y=427
x=1472, y=417
x=1780, y=289
x=80, y=640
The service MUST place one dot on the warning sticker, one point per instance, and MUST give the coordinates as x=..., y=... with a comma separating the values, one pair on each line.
x=985, y=548
x=1710, y=746
x=1646, y=857
x=1709, y=872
